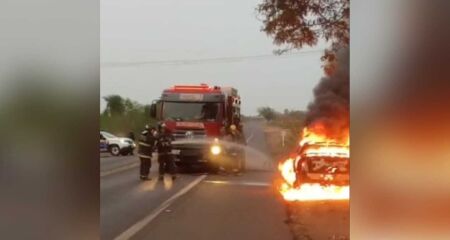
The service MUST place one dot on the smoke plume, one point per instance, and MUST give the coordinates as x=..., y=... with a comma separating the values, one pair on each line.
x=329, y=113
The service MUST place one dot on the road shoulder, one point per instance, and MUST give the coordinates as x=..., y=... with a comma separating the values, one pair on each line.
x=249, y=211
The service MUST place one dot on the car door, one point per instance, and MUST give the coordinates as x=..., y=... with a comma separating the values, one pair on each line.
x=103, y=144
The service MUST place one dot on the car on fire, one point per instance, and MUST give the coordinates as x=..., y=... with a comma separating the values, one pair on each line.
x=323, y=163
x=197, y=116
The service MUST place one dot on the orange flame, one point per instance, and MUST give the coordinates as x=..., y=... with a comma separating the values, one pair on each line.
x=329, y=151
x=318, y=134
x=313, y=192
x=306, y=191
x=287, y=171
x=328, y=147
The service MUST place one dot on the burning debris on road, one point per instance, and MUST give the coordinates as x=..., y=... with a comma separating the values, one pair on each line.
x=320, y=168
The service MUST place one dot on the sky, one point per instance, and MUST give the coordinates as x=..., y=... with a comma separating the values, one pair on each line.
x=150, y=45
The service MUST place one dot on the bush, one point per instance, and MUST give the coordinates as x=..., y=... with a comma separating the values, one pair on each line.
x=122, y=116
x=267, y=113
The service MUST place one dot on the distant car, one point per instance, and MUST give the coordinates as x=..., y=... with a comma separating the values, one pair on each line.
x=116, y=145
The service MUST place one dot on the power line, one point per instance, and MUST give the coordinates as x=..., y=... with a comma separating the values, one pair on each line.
x=208, y=60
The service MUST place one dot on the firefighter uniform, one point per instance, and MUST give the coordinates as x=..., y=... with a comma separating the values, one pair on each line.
x=165, y=157
x=146, y=147
x=237, y=163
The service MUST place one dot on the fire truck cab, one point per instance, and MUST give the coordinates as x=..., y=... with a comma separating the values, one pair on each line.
x=197, y=116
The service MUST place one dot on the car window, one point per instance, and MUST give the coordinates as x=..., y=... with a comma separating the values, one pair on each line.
x=108, y=135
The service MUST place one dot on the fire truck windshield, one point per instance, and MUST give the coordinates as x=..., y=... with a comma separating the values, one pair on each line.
x=191, y=111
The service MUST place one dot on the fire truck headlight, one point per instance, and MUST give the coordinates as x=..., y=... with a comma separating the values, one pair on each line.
x=216, y=149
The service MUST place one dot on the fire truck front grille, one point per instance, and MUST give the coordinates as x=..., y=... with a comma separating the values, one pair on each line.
x=185, y=133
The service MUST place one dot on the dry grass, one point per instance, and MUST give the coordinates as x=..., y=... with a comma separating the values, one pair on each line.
x=273, y=130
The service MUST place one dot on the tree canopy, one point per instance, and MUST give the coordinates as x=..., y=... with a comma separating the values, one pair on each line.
x=267, y=113
x=123, y=115
x=115, y=105
x=295, y=23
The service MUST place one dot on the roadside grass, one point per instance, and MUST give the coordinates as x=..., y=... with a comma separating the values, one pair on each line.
x=292, y=127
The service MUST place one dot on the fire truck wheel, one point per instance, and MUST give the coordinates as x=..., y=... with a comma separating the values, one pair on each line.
x=182, y=167
x=213, y=168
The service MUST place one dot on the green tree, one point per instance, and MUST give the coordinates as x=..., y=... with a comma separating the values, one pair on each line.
x=295, y=23
x=133, y=107
x=267, y=113
x=147, y=109
x=115, y=105
x=123, y=115
x=297, y=114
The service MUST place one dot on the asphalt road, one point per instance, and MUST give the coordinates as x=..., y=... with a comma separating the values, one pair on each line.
x=196, y=205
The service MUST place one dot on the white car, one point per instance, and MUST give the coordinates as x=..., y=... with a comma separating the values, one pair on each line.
x=116, y=145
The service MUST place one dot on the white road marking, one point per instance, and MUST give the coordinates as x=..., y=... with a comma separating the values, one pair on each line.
x=119, y=169
x=253, y=184
x=131, y=231
x=250, y=137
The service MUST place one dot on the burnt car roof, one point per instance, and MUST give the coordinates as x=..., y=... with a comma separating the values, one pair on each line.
x=301, y=150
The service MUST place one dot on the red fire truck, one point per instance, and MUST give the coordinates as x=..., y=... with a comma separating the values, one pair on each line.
x=197, y=116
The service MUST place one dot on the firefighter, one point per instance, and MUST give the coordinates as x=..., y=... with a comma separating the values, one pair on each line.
x=146, y=147
x=236, y=163
x=165, y=157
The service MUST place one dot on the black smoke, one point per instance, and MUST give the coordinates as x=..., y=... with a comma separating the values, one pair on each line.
x=329, y=112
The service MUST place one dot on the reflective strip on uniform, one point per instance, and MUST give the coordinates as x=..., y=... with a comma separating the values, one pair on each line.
x=145, y=144
x=164, y=153
x=144, y=156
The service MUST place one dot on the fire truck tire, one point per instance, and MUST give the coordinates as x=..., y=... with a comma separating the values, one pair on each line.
x=213, y=168
x=182, y=167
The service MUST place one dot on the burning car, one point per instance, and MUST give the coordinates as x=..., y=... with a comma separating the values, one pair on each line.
x=319, y=170
x=324, y=163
